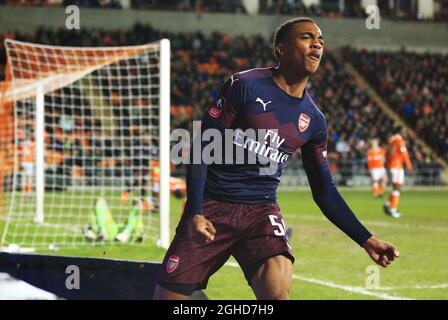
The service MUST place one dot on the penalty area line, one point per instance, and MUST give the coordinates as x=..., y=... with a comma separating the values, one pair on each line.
x=371, y=222
x=415, y=287
x=352, y=289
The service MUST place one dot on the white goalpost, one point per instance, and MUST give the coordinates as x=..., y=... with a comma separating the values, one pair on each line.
x=91, y=145
x=39, y=154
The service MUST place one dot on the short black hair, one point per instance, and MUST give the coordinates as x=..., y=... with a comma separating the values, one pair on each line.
x=398, y=129
x=283, y=31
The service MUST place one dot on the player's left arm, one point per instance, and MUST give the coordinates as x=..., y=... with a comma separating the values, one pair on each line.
x=333, y=206
x=405, y=156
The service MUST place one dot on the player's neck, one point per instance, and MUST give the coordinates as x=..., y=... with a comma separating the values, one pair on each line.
x=291, y=82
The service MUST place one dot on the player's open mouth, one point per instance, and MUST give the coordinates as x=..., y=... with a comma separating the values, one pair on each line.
x=314, y=56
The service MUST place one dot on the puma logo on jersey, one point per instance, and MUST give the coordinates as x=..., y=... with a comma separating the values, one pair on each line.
x=263, y=103
x=232, y=80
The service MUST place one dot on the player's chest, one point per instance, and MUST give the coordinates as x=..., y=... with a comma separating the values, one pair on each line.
x=287, y=125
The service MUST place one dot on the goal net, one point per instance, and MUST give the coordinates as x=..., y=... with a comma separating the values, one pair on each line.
x=89, y=145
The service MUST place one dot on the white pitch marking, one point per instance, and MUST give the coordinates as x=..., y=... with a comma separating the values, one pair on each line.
x=415, y=287
x=353, y=289
x=372, y=223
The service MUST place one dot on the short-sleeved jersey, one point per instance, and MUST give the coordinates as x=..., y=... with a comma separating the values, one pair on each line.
x=376, y=158
x=397, y=153
x=252, y=100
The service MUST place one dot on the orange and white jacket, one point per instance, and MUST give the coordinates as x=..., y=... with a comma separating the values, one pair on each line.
x=376, y=158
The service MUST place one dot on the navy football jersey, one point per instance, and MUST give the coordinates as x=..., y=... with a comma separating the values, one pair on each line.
x=283, y=124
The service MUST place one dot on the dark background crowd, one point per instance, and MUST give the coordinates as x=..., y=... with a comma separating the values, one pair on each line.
x=403, y=9
x=200, y=65
x=415, y=85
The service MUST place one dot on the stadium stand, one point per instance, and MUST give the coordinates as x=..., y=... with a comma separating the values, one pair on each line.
x=418, y=92
x=200, y=65
x=405, y=10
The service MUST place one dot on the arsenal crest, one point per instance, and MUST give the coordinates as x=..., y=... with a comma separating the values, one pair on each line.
x=304, y=122
x=216, y=108
x=171, y=265
x=214, y=112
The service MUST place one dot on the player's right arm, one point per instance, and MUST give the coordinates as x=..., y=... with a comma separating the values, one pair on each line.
x=324, y=190
x=220, y=116
x=388, y=153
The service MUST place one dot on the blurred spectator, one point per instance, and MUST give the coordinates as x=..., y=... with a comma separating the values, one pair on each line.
x=200, y=65
x=415, y=85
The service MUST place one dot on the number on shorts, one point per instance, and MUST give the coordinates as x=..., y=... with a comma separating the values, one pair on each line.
x=281, y=226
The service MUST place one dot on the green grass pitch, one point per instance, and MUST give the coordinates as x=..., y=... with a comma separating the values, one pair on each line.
x=328, y=264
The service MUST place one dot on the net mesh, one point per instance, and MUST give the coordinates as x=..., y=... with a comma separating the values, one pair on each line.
x=101, y=137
